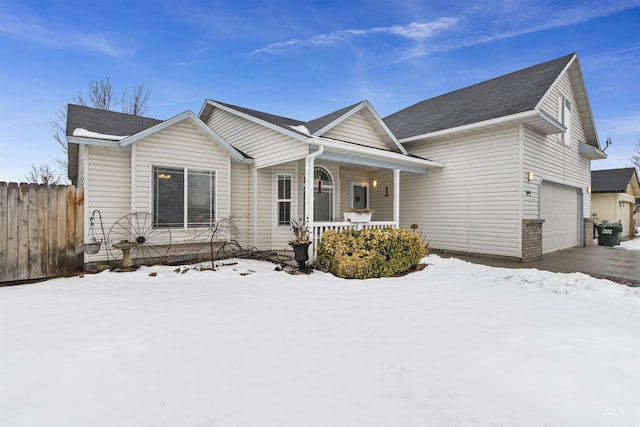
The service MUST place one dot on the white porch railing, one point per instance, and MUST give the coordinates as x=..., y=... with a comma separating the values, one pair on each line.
x=320, y=227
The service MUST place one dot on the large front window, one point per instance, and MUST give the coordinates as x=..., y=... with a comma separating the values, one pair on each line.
x=184, y=197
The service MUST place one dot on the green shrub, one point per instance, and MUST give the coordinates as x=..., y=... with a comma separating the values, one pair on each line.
x=363, y=254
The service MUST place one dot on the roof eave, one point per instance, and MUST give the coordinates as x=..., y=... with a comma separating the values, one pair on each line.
x=474, y=126
x=256, y=120
x=93, y=141
x=187, y=115
x=360, y=149
x=590, y=152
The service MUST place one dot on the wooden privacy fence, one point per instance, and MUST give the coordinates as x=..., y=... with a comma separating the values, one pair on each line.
x=41, y=231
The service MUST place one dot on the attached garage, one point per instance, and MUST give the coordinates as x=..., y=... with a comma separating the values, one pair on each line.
x=559, y=207
x=625, y=219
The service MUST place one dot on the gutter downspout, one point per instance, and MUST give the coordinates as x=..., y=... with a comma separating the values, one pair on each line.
x=309, y=161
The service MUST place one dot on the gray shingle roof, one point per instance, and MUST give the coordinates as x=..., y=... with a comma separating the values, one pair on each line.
x=283, y=122
x=499, y=97
x=286, y=123
x=106, y=122
x=317, y=124
x=611, y=180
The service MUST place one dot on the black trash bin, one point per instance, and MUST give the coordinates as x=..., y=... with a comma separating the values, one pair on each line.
x=609, y=234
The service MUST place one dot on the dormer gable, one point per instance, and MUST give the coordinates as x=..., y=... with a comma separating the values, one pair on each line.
x=359, y=124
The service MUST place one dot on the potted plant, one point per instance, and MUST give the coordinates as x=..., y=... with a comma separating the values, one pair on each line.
x=300, y=243
x=358, y=215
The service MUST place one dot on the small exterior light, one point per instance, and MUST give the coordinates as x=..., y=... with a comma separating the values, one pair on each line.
x=530, y=176
x=589, y=190
x=375, y=182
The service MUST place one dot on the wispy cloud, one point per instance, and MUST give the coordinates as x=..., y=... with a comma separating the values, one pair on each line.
x=473, y=26
x=19, y=22
x=412, y=31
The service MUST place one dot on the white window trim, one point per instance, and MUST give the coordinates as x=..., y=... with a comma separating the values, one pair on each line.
x=185, y=201
x=564, y=117
x=332, y=187
x=278, y=200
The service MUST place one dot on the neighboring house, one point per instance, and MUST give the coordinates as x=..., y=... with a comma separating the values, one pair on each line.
x=479, y=170
x=613, y=193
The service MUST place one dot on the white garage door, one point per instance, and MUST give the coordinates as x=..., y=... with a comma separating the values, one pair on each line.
x=559, y=209
x=625, y=217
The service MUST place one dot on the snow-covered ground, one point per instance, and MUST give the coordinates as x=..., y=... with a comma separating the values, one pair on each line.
x=632, y=245
x=456, y=344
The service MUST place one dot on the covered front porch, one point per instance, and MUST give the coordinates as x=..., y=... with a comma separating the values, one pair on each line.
x=344, y=177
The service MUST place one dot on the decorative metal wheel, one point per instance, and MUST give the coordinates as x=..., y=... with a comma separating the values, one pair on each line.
x=230, y=249
x=139, y=238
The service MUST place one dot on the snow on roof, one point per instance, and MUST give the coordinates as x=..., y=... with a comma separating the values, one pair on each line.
x=302, y=129
x=84, y=133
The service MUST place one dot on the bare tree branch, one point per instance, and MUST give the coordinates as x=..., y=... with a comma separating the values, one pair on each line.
x=635, y=156
x=101, y=96
x=137, y=103
x=42, y=174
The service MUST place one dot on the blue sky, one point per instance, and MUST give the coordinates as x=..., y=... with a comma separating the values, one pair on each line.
x=302, y=59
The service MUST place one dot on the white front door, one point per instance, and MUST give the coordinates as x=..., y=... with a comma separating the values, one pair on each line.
x=359, y=197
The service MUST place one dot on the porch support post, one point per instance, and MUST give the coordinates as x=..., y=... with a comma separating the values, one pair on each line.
x=396, y=197
x=308, y=199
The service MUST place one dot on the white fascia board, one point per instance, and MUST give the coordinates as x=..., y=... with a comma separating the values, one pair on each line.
x=386, y=129
x=259, y=121
x=382, y=154
x=553, y=122
x=586, y=97
x=92, y=141
x=590, y=152
x=472, y=126
x=187, y=115
x=379, y=163
x=555, y=82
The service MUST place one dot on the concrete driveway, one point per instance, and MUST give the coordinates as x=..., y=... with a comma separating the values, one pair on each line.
x=613, y=263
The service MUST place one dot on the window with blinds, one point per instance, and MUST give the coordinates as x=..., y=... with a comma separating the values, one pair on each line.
x=284, y=199
x=184, y=197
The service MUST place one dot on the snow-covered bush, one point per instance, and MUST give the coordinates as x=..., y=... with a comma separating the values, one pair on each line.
x=363, y=254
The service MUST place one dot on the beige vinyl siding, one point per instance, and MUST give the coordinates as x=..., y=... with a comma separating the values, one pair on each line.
x=181, y=145
x=266, y=146
x=348, y=177
x=550, y=105
x=266, y=214
x=606, y=207
x=550, y=159
x=383, y=205
x=107, y=188
x=471, y=205
x=361, y=129
x=242, y=202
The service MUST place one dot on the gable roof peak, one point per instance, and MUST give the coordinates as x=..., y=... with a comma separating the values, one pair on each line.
x=502, y=96
x=321, y=122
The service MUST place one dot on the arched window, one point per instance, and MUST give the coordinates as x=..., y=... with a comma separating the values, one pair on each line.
x=323, y=194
